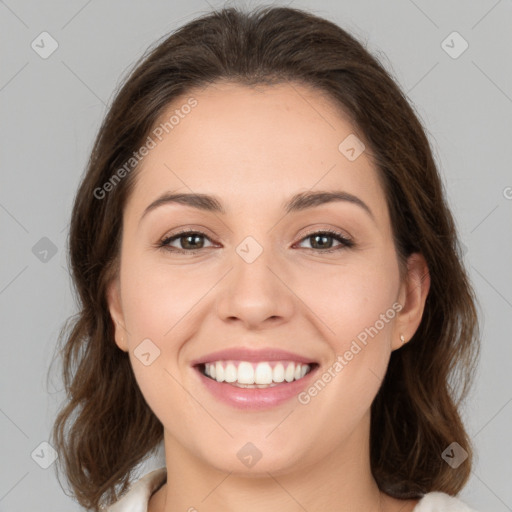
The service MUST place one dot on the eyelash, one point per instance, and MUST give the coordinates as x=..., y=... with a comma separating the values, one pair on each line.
x=346, y=243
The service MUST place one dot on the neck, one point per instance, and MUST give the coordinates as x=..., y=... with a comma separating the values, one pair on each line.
x=341, y=481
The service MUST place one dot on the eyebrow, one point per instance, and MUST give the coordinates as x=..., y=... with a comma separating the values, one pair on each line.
x=298, y=202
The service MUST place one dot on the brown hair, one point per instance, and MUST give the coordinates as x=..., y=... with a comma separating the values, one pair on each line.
x=106, y=428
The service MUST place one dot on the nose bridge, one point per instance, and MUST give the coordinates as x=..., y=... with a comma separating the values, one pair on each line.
x=254, y=290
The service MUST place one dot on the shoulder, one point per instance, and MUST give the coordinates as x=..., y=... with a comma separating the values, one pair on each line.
x=441, y=502
x=137, y=497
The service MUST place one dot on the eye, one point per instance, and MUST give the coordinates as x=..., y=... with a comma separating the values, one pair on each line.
x=193, y=241
x=320, y=239
x=190, y=242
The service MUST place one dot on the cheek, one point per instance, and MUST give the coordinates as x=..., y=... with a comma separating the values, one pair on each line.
x=158, y=303
x=356, y=304
x=157, y=297
x=351, y=300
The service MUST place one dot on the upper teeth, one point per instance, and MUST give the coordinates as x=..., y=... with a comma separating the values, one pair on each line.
x=243, y=372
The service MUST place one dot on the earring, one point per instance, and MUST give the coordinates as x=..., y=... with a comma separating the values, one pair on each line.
x=402, y=339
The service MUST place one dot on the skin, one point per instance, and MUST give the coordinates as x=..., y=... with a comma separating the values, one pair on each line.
x=254, y=147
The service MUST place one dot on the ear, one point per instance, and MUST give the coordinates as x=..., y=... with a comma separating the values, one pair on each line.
x=412, y=297
x=116, y=313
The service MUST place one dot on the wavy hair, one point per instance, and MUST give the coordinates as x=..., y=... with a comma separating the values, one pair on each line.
x=105, y=428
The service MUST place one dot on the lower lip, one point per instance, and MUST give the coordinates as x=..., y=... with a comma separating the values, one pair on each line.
x=255, y=398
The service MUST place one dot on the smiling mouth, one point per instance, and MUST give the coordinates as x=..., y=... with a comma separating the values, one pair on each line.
x=264, y=374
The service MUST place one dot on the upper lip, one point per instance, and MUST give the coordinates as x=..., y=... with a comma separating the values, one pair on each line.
x=244, y=354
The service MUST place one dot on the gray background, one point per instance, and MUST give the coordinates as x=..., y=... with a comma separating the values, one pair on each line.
x=51, y=110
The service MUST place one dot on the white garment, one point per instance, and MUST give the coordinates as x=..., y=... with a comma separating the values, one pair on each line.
x=137, y=497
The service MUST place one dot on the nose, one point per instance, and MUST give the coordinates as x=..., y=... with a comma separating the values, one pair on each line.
x=256, y=294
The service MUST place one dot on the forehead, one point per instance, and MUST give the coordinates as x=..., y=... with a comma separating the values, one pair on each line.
x=261, y=144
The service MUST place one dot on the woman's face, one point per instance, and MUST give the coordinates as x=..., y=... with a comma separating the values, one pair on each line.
x=262, y=278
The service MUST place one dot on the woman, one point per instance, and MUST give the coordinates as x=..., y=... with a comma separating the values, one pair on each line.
x=270, y=282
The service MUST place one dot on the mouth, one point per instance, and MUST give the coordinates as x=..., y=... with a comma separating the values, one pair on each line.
x=254, y=380
x=255, y=374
